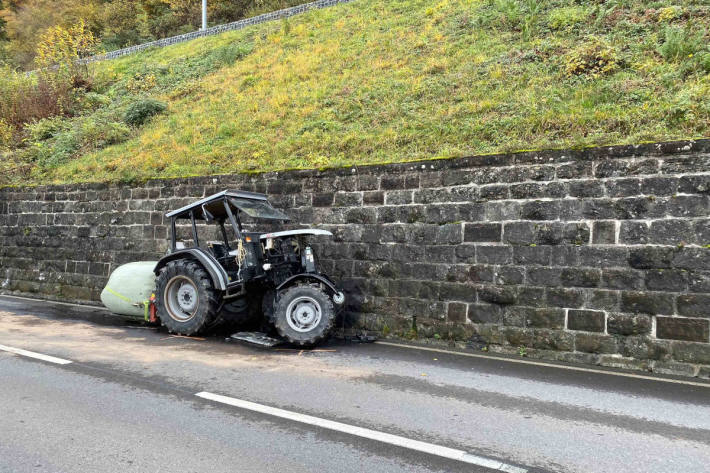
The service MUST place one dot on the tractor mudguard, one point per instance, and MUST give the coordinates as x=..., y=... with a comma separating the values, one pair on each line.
x=219, y=277
x=337, y=293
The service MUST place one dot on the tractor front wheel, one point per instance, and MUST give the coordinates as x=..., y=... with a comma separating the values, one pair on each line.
x=186, y=301
x=304, y=315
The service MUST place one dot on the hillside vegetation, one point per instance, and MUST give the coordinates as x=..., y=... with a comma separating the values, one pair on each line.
x=115, y=23
x=374, y=81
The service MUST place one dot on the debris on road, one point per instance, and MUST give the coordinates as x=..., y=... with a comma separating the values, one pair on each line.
x=256, y=338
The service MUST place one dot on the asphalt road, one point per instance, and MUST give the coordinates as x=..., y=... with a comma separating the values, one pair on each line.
x=127, y=402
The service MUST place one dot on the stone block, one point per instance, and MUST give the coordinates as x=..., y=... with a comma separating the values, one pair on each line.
x=531, y=296
x=372, y=198
x=323, y=199
x=624, y=279
x=494, y=192
x=647, y=302
x=477, y=232
x=634, y=233
x=502, y=295
x=450, y=291
x=540, y=210
x=485, y=313
x=498, y=211
x=667, y=280
x=626, y=324
x=537, y=190
x=552, y=340
x=531, y=255
x=519, y=233
x=671, y=232
x=456, y=312
x=508, y=275
x=691, y=352
x=651, y=257
x=586, y=320
x=694, y=184
x=690, y=258
x=686, y=206
x=543, y=276
x=546, y=318
x=494, y=254
x=681, y=328
x=586, y=188
x=623, y=187
x=659, y=185
x=694, y=305
x=606, y=257
x=580, y=277
x=398, y=197
x=645, y=348
x=595, y=343
x=604, y=233
x=563, y=297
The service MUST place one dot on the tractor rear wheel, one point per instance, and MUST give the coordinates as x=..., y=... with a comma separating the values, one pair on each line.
x=186, y=301
x=304, y=315
x=240, y=313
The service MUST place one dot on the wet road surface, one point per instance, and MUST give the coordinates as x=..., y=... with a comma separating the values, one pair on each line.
x=127, y=402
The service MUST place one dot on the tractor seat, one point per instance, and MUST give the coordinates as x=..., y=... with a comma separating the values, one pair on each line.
x=218, y=250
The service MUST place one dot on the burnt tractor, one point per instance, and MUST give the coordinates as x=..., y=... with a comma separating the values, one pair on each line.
x=243, y=275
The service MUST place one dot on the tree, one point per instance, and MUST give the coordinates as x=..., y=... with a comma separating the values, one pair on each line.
x=60, y=49
x=3, y=34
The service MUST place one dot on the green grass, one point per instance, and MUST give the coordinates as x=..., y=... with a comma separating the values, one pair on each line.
x=372, y=82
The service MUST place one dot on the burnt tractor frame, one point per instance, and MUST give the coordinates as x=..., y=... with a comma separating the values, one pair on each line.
x=250, y=275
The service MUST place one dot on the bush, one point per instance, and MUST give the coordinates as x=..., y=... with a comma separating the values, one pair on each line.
x=54, y=141
x=25, y=99
x=681, y=43
x=45, y=128
x=5, y=135
x=594, y=58
x=566, y=17
x=139, y=112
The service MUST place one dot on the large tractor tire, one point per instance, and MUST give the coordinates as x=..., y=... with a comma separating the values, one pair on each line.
x=243, y=312
x=304, y=315
x=186, y=301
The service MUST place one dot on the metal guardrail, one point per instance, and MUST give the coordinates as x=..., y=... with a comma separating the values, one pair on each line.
x=214, y=30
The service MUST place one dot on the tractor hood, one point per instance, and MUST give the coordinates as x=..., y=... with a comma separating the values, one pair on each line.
x=302, y=231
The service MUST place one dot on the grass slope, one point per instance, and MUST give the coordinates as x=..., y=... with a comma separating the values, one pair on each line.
x=375, y=81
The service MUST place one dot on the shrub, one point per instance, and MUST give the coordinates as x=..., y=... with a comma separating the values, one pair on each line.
x=139, y=112
x=5, y=135
x=669, y=13
x=24, y=99
x=681, y=43
x=93, y=101
x=45, y=128
x=54, y=141
x=593, y=58
x=97, y=133
x=566, y=17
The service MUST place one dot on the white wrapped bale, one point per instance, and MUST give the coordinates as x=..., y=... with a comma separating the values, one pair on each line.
x=129, y=287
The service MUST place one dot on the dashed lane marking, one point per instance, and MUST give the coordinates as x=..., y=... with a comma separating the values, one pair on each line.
x=38, y=356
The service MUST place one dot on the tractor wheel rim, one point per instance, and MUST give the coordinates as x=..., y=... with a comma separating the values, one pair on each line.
x=303, y=314
x=182, y=298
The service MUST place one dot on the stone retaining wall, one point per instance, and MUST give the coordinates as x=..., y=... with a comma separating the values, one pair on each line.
x=597, y=256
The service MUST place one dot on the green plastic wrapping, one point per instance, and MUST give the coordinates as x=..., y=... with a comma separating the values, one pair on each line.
x=129, y=287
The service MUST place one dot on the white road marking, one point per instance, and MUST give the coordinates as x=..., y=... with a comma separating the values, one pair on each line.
x=31, y=354
x=429, y=448
x=49, y=301
x=549, y=365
